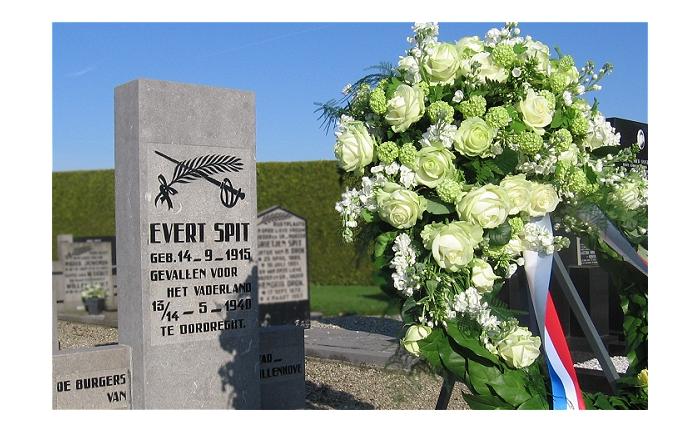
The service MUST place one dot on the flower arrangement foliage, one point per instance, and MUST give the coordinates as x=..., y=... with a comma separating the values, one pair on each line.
x=454, y=153
x=94, y=290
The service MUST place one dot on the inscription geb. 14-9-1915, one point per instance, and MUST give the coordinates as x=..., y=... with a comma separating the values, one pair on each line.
x=200, y=242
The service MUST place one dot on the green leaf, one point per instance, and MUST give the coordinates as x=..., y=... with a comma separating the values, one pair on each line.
x=409, y=304
x=519, y=48
x=470, y=343
x=558, y=119
x=517, y=126
x=438, y=208
x=452, y=361
x=382, y=241
x=506, y=161
x=430, y=347
x=368, y=216
x=510, y=386
x=485, y=402
x=512, y=112
x=536, y=402
x=500, y=235
x=480, y=375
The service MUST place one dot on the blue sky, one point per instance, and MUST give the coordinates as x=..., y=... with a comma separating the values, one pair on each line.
x=289, y=66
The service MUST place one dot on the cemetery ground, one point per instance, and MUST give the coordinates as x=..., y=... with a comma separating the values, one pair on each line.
x=329, y=384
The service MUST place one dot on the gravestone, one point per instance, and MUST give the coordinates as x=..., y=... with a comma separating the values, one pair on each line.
x=282, y=268
x=112, y=240
x=186, y=244
x=92, y=378
x=282, y=372
x=86, y=264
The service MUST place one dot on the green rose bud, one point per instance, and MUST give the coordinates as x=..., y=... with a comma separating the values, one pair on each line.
x=474, y=137
x=487, y=206
x=387, y=152
x=643, y=377
x=440, y=63
x=543, y=199
x=400, y=207
x=516, y=225
x=441, y=110
x=518, y=189
x=354, y=147
x=433, y=165
x=536, y=111
x=497, y=117
x=448, y=190
x=503, y=55
x=452, y=245
x=475, y=106
x=408, y=155
x=405, y=108
x=377, y=101
x=519, y=348
x=414, y=334
x=483, y=276
x=529, y=143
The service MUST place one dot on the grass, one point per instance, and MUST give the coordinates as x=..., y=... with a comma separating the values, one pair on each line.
x=333, y=300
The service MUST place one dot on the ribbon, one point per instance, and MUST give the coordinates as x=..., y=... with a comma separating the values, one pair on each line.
x=165, y=191
x=566, y=393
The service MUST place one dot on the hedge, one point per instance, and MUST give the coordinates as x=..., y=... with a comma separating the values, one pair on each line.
x=83, y=205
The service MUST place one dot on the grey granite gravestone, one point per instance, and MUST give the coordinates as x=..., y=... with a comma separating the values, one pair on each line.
x=282, y=372
x=92, y=378
x=282, y=268
x=86, y=264
x=112, y=241
x=186, y=243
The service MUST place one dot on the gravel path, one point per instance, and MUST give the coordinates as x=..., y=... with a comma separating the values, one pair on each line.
x=330, y=384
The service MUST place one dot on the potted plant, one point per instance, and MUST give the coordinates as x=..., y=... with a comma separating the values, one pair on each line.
x=94, y=299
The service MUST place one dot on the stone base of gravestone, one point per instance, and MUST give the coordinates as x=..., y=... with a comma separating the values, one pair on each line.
x=282, y=377
x=92, y=378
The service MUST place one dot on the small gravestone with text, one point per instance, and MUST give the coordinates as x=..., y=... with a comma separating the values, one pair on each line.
x=84, y=265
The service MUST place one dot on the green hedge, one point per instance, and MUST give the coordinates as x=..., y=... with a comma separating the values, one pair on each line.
x=83, y=205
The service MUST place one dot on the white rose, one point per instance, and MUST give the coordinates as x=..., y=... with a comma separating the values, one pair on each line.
x=536, y=111
x=518, y=189
x=628, y=195
x=487, y=69
x=441, y=63
x=470, y=45
x=354, y=147
x=452, y=245
x=543, y=199
x=405, y=108
x=570, y=155
x=474, y=137
x=540, y=52
x=571, y=75
x=519, y=348
x=487, y=206
x=414, y=334
x=483, y=276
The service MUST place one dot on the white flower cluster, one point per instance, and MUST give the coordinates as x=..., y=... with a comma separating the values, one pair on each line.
x=424, y=35
x=470, y=302
x=539, y=164
x=601, y=133
x=352, y=201
x=406, y=176
x=406, y=276
x=538, y=239
x=441, y=134
x=508, y=34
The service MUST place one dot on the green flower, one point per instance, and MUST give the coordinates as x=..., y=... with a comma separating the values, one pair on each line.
x=377, y=101
x=441, y=110
x=529, y=143
x=558, y=82
x=579, y=125
x=361, y=101
x=424, y=86
x=577, y=181
x=516, y=225
x=408, y=155
x=497, y=117
x=561, y=139
x=475, y=106
x=561, y=171
x=551, y=99
x=414, y=334
x=566, y=62
x=503, y=55
x=448, y=190
x=387, y=152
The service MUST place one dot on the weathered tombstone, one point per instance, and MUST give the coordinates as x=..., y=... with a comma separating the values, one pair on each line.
x=186, y=241
x=92, y=378
x=284, y=307
x=112, y=240
x=86, y=264
x=282, y=268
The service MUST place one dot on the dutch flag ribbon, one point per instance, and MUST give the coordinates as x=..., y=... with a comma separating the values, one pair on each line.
x=566, y=393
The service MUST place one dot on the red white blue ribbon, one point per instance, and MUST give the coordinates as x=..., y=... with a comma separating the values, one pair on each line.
x=566, y=393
